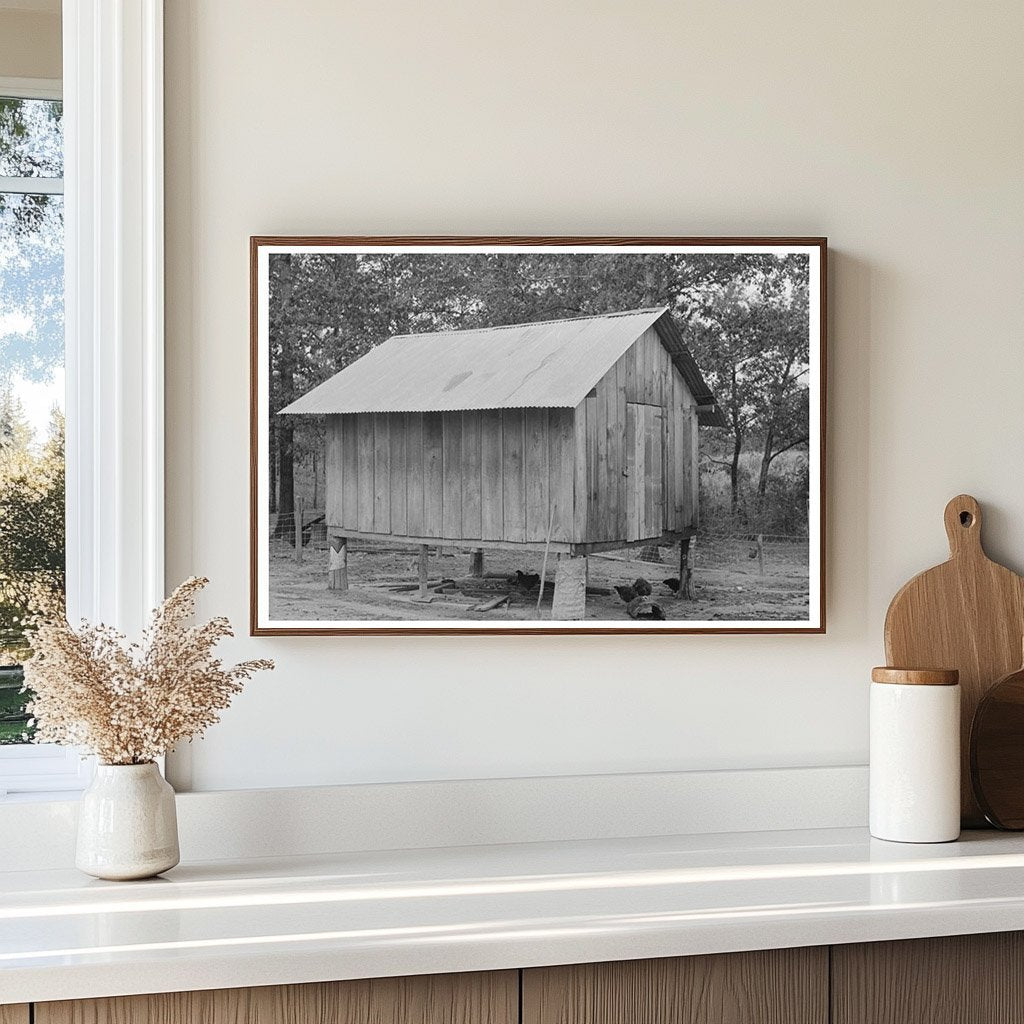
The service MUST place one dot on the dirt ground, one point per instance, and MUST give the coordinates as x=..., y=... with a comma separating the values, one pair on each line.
x=727, y=582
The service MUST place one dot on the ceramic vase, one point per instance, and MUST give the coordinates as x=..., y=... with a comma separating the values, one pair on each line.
x=127, y=825
x=915, y=755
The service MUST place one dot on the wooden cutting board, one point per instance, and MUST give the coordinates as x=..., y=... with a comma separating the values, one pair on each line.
x=967, y=614
x=997, y=752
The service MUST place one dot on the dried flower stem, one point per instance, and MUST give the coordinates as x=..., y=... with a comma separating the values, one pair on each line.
x=129, y=703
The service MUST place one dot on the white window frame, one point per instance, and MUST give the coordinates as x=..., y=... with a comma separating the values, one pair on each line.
x=114, y=264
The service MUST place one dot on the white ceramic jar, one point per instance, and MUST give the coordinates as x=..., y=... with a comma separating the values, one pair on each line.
x=127, y=823
x=915, y=755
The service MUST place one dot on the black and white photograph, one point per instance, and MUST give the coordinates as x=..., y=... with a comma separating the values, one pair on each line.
x=537, y=435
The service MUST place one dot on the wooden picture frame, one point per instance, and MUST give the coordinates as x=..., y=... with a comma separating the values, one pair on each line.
x=467, y=390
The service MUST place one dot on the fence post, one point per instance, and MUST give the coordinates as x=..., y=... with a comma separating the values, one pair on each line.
x=760, y=553
x=298, y=527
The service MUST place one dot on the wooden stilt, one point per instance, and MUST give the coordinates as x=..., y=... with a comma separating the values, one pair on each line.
x=570, y=597
x=544, y=564
x=476, y=562
x=685, y=591
x=424, y=553
x=337, y=576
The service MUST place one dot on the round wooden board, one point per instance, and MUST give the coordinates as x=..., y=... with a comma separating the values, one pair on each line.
x=967, y=613
x=997, y=753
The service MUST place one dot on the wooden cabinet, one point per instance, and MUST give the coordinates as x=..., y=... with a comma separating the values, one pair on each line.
x=491, y=998
x=968, y=979
x=962, y=979
x=778, y=986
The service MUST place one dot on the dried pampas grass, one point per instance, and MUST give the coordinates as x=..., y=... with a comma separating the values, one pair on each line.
x=130, y=703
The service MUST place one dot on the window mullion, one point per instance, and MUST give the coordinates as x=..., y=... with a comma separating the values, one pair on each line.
x=32, y=186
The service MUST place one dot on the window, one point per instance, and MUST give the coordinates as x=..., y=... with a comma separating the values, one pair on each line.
x=112, y=212
x=32, y=531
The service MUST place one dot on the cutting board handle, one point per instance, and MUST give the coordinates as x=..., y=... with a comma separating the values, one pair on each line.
x=963, y=526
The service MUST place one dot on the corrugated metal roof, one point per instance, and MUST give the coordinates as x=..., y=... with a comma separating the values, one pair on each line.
x=553, y=364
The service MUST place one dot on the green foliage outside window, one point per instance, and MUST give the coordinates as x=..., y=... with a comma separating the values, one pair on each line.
x=31, y=355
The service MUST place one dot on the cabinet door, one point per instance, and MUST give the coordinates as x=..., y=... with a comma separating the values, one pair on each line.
x=490, y=998
x=962, y=979
x=779, y=986
x=14, y=1014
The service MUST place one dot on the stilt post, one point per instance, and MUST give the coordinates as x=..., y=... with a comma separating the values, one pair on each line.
x=337, y=576
x=685, y=591
x=476, y=562
x=570, y=597
x=424, y=553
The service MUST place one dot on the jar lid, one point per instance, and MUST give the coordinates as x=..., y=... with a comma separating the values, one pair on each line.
x=916, y=676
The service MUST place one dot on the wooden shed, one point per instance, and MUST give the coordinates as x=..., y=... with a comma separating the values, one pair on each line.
x=576, y=435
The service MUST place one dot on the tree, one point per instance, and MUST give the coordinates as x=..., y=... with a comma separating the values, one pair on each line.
x=780, y=378
x=31, y=242
x=751, y=338
x=744, y=316
x=31, y=346
x=32, y=550
x=725, y=341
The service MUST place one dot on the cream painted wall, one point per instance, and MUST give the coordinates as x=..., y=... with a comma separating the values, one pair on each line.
x=895, y=129
x=30, y=43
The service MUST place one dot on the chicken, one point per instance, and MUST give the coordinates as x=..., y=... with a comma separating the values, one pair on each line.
x=673, y=584
x=527, y=580
x=626, y=592
x=642, y=587
x=644, y=608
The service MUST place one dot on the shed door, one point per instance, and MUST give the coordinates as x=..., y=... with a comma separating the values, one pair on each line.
x=645, y=469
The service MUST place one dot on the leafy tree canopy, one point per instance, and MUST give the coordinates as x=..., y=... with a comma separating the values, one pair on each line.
x=31, y=242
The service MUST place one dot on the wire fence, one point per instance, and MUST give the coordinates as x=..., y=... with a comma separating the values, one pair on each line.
x=766, y=551
x=301, y=528
x=756, y=553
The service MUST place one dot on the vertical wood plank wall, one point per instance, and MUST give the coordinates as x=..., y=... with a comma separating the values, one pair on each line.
x=646, y=376
x=482, y=998
x=778, y=986
x=488, y=475
x=14, y=1014
x=505, y=475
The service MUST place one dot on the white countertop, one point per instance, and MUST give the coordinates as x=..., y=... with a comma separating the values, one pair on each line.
x=351, y=915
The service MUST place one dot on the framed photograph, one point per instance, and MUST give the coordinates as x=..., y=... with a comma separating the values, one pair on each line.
x=537, y=435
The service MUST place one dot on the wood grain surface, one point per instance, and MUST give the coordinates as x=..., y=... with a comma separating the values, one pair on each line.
x=781, y=986
x=967, y=614
x=997, y=752
x=505, y=475
x=482, y=998
x=962, y=979
x=14, y=1014
x=915, y=676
